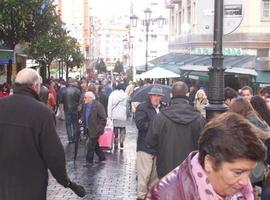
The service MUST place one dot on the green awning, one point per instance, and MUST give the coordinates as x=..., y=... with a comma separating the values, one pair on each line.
x=5, y=56
x=263, y=77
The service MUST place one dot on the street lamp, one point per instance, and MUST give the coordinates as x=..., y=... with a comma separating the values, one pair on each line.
x=216, y=71
x=160, y=21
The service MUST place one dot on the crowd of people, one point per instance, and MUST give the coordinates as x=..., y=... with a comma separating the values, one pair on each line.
x=179, y=154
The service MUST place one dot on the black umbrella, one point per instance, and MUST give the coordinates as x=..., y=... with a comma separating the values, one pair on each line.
x=77, y=138
x=141, y=94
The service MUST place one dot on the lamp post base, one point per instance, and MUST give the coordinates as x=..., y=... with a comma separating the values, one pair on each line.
x=215, y=109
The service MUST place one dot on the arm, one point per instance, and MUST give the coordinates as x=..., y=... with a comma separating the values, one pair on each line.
x=101, y=118
x=141, y=119
x=110, y=106
x=52, y=152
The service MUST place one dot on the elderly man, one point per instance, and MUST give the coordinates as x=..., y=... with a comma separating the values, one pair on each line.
x=29, y=144
x=146, y=166
x=94, y=118
x=175, y=131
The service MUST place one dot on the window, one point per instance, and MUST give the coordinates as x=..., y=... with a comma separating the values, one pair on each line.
x=265, y=9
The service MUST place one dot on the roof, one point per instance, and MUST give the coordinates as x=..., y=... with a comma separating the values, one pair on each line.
x=159, y=72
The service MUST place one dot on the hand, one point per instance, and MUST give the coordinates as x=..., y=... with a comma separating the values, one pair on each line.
x=77, y=189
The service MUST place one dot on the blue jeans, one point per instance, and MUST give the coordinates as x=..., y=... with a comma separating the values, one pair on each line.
x=71, y=125
x=265, y=193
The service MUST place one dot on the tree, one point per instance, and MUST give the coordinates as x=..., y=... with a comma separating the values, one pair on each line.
x=101, y=66
x=23, y=21
x=118, y=67
x=47, y=47
x=71, y=54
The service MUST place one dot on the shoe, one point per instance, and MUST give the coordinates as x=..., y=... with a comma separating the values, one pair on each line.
x=88, y=164
x=121, y=145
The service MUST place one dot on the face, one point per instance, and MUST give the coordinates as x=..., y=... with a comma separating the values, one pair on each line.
x=246, y=94
x=88, y=100
x=229, y=102
x=84, y=86
x=36, y=87
x=200, y=95
x=229, y=178
x=268, y=102
x=155, y=99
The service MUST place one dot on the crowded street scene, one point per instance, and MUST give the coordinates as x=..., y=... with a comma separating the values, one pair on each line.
x=134, y=100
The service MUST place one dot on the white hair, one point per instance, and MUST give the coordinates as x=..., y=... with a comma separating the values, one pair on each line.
x=27, y=76
x=90, y=94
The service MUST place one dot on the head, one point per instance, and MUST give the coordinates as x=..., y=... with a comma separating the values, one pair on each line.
x=200, y=95
x=241, y=106
x=229, y=95
x=247, y=92
x=92, y=88
x=179, y=88
x=30, y=78
x=72, y=81
x=89, y=97
x=84, y=85
x=265, y=93
x=260, y=106
x=155, y=95
x=228, y=151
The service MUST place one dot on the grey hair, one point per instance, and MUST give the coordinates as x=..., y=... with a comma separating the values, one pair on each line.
x=90, y=94
x=27, y=76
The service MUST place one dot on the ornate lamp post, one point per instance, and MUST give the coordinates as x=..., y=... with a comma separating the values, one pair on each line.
x=216, y=72
x=160, y=21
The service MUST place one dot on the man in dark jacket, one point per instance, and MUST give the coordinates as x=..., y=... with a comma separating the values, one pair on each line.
x=29, y=144
x=146, y=162
x=175, y=131
x=71, y=99
x=94, y=118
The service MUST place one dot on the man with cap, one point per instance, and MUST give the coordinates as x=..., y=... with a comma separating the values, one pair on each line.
x=146, y=166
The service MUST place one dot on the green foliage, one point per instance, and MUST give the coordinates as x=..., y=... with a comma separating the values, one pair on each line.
x=101, y=66
x=118, y=67
x=22, y=21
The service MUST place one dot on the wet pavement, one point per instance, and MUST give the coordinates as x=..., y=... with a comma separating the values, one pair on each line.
x=113, y=180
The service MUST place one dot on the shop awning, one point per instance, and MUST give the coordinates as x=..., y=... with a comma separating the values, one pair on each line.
x=5, y=56
x=263, y=77
x=159, y=72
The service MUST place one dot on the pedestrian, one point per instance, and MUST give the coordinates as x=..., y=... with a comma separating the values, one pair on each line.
x=229, y=96
x=200, y=101
x=191, y=94
x=243, y=107
x=117, y=112
x=94, y=119
x=60, y=111
x=29, y=143
x=107, y=87
x=146, y=159
x=175, y=130
x=71, y=99
x=4, y=90
x=265, y=93
x=102, y=98
x=246, y=93
x=129, y=90
x=260, y=106
x=229, y=150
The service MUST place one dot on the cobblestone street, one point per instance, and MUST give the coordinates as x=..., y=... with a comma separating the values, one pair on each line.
x=113, y=180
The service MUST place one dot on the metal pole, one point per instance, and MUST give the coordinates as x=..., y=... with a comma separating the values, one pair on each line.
x=59, y=69
x=216, y=72
x=146, y=52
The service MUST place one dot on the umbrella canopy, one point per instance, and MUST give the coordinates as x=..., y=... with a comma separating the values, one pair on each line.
x=159, y=72
x=141, y=94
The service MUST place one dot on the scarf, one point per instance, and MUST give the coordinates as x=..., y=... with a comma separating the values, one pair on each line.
x=206, y=190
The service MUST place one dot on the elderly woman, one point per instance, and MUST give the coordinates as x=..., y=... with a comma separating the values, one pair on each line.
x=200, y=101
x=229, y=150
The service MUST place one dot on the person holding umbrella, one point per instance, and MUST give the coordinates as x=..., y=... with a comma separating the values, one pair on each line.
x=94, y=119
x=146, y=162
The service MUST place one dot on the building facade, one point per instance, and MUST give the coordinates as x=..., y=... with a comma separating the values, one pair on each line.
x=252, y=37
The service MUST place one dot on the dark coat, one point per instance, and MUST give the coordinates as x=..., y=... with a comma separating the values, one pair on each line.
x=174, y=133
x=29, y=146
x=103, y=99
x=97, y=120
x=144, y=115
x=177, y=185
x=71, y=97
